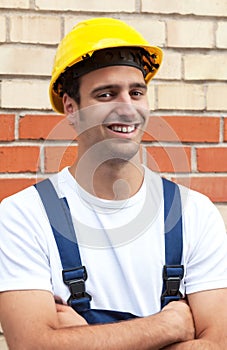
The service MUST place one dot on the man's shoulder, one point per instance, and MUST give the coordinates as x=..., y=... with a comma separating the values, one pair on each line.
x=20, y=197
x=187, y=193
x=191, y=197
x=194, y=203
x=30, y=193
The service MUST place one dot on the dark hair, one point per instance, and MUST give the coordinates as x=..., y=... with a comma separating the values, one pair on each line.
x=67, y=83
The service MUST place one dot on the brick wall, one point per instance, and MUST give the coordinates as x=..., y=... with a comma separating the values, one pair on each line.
x=187, y=135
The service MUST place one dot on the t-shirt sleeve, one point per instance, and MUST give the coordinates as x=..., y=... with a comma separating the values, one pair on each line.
x=205, y=246
x=24, y=257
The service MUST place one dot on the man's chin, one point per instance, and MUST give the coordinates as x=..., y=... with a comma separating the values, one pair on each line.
x=123, y=153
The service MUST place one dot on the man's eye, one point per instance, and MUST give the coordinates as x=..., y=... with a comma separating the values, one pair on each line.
x=105, y=95
x=137, y=93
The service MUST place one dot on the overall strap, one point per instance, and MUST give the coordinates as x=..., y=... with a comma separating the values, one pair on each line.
x=173, y=271
x=74, y=274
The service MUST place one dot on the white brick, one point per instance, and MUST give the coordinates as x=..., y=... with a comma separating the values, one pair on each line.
x=216, y=97
x=196, y=7
x=221, y=35
x=88, y=5
x=3, y=29
x=181, y=97
x=152, y=31
x=151, y=96
x=71, y=21
x=190, y=33
x=161, y=6
x=26, y=60
x=205, y=67
x=223, y=212
x=35, y=29
x=3, y=345
x=171, y=66
x=25, y=94
x=22, y=4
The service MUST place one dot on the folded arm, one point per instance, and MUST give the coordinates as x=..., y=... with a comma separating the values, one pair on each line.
x=209, y=309
x=30, y=321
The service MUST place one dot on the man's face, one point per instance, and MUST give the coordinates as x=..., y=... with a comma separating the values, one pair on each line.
x=112, y=114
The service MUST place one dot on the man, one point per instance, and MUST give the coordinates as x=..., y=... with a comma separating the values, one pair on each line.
x=100, y=81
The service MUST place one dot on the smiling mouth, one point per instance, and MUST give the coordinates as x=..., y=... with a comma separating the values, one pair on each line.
x=125, y=129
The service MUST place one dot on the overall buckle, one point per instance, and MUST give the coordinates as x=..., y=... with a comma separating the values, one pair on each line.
x=75, y=279
x=172, y=276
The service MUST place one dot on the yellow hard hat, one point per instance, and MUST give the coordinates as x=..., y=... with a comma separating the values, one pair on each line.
x=96, y=34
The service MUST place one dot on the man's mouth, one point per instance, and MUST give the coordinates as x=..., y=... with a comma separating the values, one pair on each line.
x=125, y=129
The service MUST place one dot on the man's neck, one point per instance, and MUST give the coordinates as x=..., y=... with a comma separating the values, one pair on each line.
x=112, y=180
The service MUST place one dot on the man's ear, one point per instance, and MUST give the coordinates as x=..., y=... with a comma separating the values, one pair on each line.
x=70, y=105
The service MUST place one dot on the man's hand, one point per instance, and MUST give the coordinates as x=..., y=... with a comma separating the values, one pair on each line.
x=180, y=314
x=67, y=317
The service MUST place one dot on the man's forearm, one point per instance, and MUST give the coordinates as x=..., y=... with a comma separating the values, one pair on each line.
x=198, y=344
x=147, y=333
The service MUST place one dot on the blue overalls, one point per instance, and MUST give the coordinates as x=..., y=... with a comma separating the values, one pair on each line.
x=74, y=274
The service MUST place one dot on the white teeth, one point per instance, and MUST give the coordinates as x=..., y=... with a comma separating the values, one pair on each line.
x=131, y=128
x=124, y=129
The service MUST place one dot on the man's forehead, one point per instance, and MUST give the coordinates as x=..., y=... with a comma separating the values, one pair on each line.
x=114, y=75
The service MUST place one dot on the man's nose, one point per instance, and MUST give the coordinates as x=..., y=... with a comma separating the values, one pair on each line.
x=125, y=107
x=126, y=110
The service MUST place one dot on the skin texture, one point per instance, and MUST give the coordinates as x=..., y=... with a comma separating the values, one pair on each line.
x=118, y=99
x=36, y=324
x=31, y=319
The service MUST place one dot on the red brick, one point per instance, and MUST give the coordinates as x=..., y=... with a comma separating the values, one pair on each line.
x=225, y=129
x=7, y=125
x=18, y=159
x=45, y=127
x=183, y=128
x=56, y=158
x=213, y=187
x=169, y=159
x=11, y=186
x=213, y=159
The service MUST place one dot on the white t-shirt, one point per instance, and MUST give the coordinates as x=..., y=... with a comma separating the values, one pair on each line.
x=121, y=244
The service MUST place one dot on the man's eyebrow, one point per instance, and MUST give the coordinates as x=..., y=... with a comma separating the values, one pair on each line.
x=115, y=86
x=139, y=85
x=104, y=87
